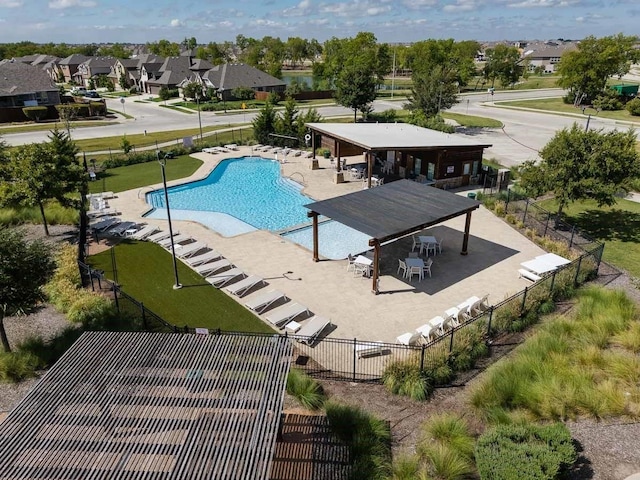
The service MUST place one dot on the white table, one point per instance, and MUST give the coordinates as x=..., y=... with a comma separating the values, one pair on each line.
x=365, y=262
x=538, y=267
x=415, y=262
x=425, y=241
x=292, y=326
x=553, y=259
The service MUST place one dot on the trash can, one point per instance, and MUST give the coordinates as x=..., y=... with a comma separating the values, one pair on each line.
x=471, y=195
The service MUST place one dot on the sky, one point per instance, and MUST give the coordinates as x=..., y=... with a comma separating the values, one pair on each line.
x=142, y=21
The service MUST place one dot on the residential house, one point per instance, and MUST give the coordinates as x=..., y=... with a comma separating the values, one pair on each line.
x=546, y=55
x=69, y=65
x=48, y=63
x=92, y=68
x=23, y=85
x=173, y=71
x=134, y=67
x=229, y=76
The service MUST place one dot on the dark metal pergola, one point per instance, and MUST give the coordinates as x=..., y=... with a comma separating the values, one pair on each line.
x=152, y=406
x=392, y=211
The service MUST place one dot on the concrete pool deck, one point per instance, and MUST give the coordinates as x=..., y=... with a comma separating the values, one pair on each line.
x=326, y=288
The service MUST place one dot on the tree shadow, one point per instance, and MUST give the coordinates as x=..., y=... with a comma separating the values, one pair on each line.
x=614, y=224
x=581, y=469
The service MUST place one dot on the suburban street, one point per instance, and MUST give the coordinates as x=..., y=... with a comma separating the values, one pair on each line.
x=524, y=132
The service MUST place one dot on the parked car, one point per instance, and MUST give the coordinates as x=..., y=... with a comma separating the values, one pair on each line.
x=92, y=94
x=78, y=91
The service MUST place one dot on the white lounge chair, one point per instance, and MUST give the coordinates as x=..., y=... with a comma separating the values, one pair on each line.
x=231, y=146
x=410, y=338
x=221, y=279
x=265, y=300
x=156, y=237
x=207, y=269
x=202, y=258
x=190, y=249
x=285, y=314
x=144, y=232
x=177, y=238
x=425, y=330
x=369, y=349
x=120, y=229
x=242, y=287
x=210, y=150
x=104, y=224
x=309, y=332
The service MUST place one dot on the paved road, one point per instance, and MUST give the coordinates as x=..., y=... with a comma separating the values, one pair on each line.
x=524, y=132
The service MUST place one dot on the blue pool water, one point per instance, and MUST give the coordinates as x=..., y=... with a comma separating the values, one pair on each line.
x=250, y=189
x=247, y=194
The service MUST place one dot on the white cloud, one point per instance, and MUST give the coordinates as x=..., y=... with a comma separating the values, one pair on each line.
x=59, y=4
x=543, y=3
x=176, y=23
x=303, y=8
x=11, y=3
x=418, y=4
x=461, y=6
x=356, y=8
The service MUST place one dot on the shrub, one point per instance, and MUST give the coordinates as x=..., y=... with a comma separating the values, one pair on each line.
x=500, y=208
x=447, y=464
x=16, y=366
x=450, y=430
x=48, y=352
x=98, y=108
x=368, y=439
x=125, y=144
x=634, y=107
x=525, y=452
x=305, y=389
x=243, y=93
x=403, y=377
x=89, y=308
x=609, y=100
x=630, y=338
x=406, y=467
x=35, y=113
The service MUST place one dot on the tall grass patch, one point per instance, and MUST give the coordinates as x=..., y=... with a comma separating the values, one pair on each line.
x=305, y=389
x=571, y=366
x=55, y=214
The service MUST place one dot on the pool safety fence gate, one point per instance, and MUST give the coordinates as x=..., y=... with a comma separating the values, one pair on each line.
x=365, y=360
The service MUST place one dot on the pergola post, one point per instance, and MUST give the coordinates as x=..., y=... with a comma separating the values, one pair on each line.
x=314, y=216
x=465, y=239
x=338, y=169
x=376, y=263
x=313, y=143
x=368, y=156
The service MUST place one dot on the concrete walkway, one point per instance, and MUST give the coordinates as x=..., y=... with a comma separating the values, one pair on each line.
x=326, y=288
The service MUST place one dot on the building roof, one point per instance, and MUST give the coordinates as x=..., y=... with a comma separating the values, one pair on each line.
x=152, y=406
x=74, y=59
x=18, y=78
x=395, y=209
x=234, y=75
x=393, y=136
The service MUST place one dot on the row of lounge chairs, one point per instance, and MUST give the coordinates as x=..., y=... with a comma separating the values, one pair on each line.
x=285, y=151
x=439, y=325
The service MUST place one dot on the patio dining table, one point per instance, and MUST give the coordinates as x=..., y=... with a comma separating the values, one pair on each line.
x=538, y=266
x=365, y=262
x=415, y=263
x=425, y=241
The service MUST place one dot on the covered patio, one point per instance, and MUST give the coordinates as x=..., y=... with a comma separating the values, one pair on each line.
x=391, y=212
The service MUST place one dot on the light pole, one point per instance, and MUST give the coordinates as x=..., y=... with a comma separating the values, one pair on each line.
x=163, y=162
x=224, y=102
x=586, y=128
x=199, y=119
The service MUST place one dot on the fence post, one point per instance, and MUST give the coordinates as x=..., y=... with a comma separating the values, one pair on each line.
x=526, y=207
x=506, y=205
x=355, y=343
x=575, y=278
x=600, y=252
x=422, y=358
x=490, y=319
x=233, y=138
x=524, y=300
x=115, y=296
x=546, y=226
x=144, y=317
x=451, y=341
x=573, y=231
x=553, y=282
x=186, y=329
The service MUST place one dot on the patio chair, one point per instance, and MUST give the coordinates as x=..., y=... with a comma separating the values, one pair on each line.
x=427, y=266
x=437, y=323
x=190, y=249
x=415, y=271
x=351, y=265
x=179, y=238
x=438, y=246
x=285, y=314
x=449, y=320
x=416, y=243
x=145, y=232
x=432, y=248
x=410, y=338
x=202, y=258
x=221, y=279
x=244, y=286
x=309, y=332
x=483, y=304
x=155, y=237
x=452, y=313
x=207, y=269
x=402, y=266
x=425, y=330
x=262, y=302
x=120, y=229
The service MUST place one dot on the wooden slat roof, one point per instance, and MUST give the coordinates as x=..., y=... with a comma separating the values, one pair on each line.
x=151, y=406
x=395, y=209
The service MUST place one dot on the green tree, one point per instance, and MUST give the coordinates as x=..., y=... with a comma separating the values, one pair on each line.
x=356, y=88
x=164, y=48
x=503, y=63
x=164, y=93
x=309, y=116
x=25, y=267
x=454, y=59
x=578, y=164
x=585, y=71
x=116, y=50
x=39, y=172
x=286, y=122
x=124, y=81
x=264, y=123
x=432, y=91
x=191, y=90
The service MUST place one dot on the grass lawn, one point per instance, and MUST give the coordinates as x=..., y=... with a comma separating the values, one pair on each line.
x=134, y=176
x=38, y=127
x=618, y=227
x=145, y=271
x=558, y=106
x=472, y=121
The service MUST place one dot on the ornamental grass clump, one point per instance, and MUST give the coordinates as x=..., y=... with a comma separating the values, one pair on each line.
x=305, y=389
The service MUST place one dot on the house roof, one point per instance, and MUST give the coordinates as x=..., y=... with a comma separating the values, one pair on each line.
x=18, y=78
x=393, y=136
x=74, y=59
x=395, y=209
x=100, y=62
x=234, y=75
x=152, y=406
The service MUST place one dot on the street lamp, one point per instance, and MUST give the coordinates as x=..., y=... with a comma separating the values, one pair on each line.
x=163, y=162
x=586, y=128
x=199, y=119
x=224, y=102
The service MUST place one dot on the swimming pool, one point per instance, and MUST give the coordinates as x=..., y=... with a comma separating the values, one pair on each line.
x=246, y=194
x=247, y=190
